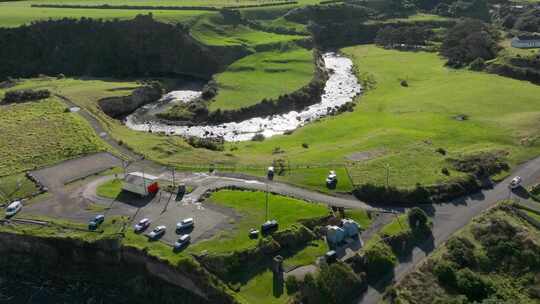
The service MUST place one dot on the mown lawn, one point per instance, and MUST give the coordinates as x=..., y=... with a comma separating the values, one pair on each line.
x=38, y=134
x=110, y=189
x=263, y=75
x=250, y=206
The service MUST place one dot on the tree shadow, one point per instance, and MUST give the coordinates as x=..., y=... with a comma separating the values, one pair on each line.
x=277, y=285
x=521, y=193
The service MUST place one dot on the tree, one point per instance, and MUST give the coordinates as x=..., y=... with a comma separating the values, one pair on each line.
x=418, y=219
x=468, y=40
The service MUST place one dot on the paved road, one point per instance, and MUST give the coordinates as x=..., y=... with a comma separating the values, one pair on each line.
x=450, y=217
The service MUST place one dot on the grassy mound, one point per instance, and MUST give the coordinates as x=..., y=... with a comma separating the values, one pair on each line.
x=42, y=133
x=263, y=75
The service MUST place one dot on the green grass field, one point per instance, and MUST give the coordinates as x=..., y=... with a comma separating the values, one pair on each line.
x=13, y=14
x=394, y=125
x=110, y=188
x=212, y=30
x=251, y=207
x=37, y=134
x=263, y=75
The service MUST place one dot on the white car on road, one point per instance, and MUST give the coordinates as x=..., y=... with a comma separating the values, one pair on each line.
x=13, y=208
x=516, y=182
x=158, y=232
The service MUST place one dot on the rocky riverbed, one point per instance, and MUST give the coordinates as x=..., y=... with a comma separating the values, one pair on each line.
x=342, y=87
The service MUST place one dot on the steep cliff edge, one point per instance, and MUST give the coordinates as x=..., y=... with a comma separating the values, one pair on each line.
x=108, y=262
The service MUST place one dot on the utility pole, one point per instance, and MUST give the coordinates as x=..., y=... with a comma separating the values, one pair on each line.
x=387, y=167
x=266, y=216
x=173, y=182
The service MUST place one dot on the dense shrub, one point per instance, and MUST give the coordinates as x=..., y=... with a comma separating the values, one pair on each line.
x=468, y=40
x=418, y=219
x=210, y=90
x=445, y=272
x=18, y=96
x=478, y=64
x=211, y=143
x=121, y=48
x=258, y=137
x=473, y=285
x=292, y=285
x=334, y=284
x=461, y=251
x=481, y=164
x=379, y=260
x=390, y=36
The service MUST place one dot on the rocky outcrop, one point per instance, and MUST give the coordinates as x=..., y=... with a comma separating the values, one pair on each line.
x=117, y=107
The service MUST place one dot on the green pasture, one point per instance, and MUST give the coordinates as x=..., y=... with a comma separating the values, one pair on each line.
x=394, y=127
x=37, y=134
x=213, y=30
x=16, y=13
x=250, y=206
x=263, y=75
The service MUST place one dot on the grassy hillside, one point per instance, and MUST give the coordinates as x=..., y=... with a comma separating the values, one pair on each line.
x=494, y=259
x=263, y=75
x=212, y=30
x=37, y=134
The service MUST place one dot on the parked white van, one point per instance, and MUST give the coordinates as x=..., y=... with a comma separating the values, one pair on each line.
x=13, y=208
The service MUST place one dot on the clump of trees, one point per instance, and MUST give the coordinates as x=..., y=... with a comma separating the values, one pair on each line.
x=211, y=143
x=468, y=40
x=410, y=36
x=18, y=96
x=130, y=48
x=334, y=284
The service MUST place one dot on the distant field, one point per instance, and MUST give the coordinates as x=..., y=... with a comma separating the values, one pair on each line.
x=263, y=75
x=13, y=14
x=37, y=134
x=16, y=13
x=213, y=31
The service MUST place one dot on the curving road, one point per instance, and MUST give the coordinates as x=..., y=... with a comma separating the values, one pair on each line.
x=452, y=216
x=447, y=217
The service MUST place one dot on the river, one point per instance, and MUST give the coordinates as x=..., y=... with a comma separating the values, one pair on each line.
x=341, y=87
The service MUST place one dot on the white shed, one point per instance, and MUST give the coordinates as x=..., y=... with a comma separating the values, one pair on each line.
x=140, y=183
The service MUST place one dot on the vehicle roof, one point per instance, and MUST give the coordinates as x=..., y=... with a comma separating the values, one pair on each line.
x=14, y=204
x=144, y=220
x=189, y=219
x=183, y=237
x=161, y=227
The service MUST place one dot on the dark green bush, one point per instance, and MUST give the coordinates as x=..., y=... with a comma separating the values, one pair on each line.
x=461, y=251
x=291, y=283
x=445, y=272
x=380, y=260
x=473, y=285
x=418, y=219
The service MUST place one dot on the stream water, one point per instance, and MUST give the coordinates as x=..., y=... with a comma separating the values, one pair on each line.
x=341, y=87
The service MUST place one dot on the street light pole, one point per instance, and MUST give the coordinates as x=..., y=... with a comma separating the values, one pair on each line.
x=387, y=167
x=266, y=216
